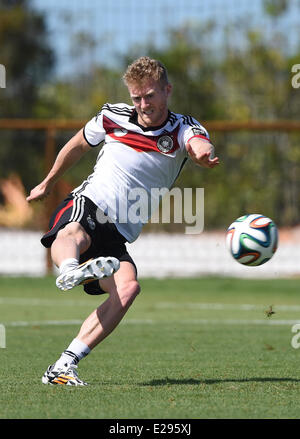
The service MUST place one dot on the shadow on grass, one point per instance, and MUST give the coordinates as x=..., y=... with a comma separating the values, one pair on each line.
x=192, y=381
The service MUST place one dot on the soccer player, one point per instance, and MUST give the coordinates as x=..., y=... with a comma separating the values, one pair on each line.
x=145, y=147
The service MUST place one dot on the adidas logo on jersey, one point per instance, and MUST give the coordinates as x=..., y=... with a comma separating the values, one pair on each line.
x=119, y=132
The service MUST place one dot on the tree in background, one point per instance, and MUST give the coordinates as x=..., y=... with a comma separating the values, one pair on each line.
x=26, y=55
x=28, y=59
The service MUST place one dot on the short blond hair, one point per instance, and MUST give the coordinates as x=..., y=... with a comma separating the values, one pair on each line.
x=143, y=69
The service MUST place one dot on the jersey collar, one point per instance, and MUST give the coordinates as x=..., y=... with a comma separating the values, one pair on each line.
x=134, y=119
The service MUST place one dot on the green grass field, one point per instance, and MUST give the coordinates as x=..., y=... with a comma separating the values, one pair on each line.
x=187, y=349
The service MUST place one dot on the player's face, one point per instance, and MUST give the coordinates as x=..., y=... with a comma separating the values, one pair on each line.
x=151, y=102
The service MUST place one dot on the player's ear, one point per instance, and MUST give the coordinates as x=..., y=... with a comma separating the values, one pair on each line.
x=169, y=88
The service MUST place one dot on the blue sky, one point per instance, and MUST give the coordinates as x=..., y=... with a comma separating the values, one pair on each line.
x=118, y=25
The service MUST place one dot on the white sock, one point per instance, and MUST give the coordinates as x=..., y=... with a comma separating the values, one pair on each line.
x=74, y=353
x=68, y=264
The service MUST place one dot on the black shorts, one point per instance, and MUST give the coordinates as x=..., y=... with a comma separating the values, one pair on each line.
x=105, y=238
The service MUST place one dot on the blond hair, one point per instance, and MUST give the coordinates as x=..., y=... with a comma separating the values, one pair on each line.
x=143, y=69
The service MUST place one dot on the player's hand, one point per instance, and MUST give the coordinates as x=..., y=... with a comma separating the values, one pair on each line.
x=202, y=156
x=40, y=192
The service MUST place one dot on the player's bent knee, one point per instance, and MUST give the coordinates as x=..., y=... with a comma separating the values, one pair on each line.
x=128, y=292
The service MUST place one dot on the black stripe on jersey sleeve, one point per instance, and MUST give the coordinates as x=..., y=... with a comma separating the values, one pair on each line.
x=98, y=115
x=191, y=121
x=123, y=111
x=93, y=146
x=172, y=118
x=188, y=120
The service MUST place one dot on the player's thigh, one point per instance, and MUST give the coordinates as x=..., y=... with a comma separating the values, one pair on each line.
x=73, y=228
x=77, y=233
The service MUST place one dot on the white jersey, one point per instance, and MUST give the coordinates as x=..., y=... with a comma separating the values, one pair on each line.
x=133, y=162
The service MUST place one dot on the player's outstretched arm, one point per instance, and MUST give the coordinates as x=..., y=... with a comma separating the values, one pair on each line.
x=202, y=152
x=73, y=150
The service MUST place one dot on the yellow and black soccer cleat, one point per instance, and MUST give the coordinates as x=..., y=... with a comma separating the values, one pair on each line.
x=64, y=376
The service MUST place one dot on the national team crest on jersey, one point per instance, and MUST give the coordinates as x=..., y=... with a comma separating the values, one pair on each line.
x=165, y=144
x=197, y=131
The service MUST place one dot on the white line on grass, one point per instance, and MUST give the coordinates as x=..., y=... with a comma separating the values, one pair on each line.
x=158, y=322
x=31, y=301
x=160, y=305
x=223, y=306
x=22, y=323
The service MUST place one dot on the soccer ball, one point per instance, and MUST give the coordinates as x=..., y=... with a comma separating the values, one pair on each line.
x=252, y=239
